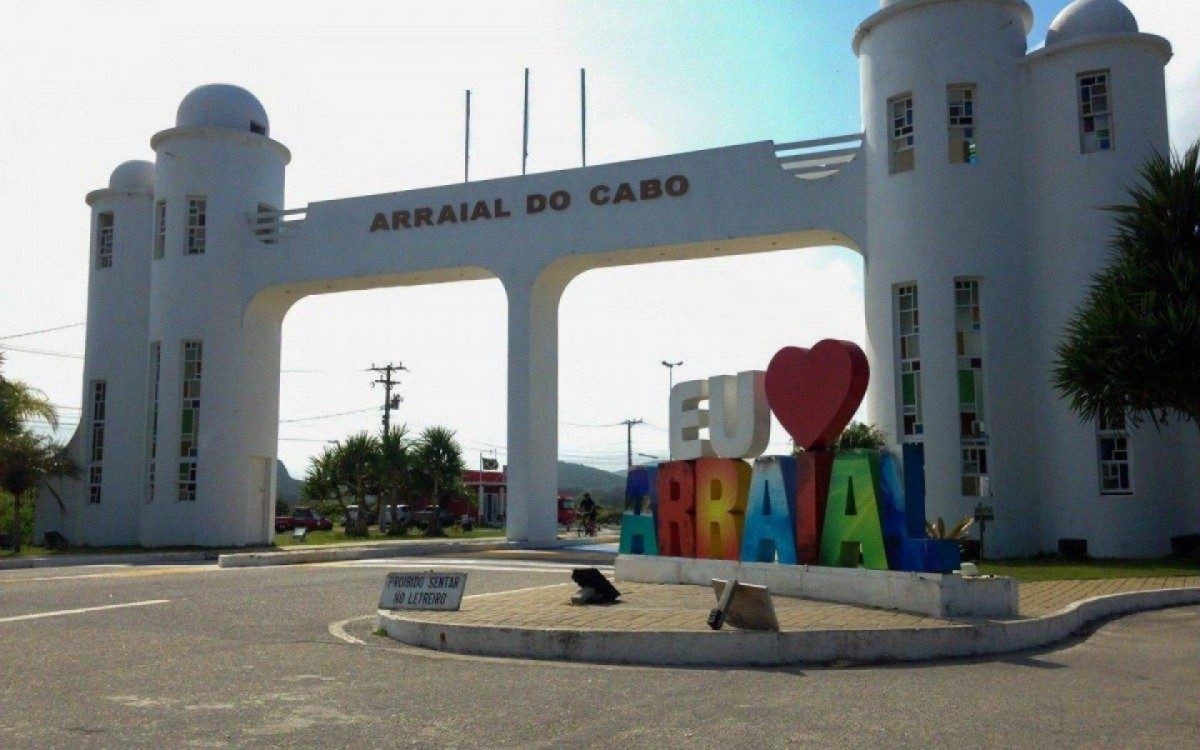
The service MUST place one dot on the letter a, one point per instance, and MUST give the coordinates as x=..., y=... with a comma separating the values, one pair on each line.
x=770, y=533
x=853, y=536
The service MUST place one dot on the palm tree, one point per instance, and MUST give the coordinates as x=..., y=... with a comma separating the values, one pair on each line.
x=856, y=436
x=19, y=402
x=393, y=468
x=27, y=462
x=439, y=469
x=357, y=466
x=1132, y=350
x=322, y=483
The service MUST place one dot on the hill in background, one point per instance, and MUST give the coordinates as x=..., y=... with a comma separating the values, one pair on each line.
x=607, y=488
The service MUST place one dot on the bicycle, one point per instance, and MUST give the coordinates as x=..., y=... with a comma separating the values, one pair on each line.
x=587, y=526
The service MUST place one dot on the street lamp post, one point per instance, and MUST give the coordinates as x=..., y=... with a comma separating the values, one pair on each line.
x=671, y=373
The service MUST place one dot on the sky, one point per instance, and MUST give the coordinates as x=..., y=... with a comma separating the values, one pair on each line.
x=369, y=98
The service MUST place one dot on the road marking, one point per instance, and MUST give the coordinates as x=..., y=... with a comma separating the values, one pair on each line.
x=119, y=574
x=338, y=629
x=61, y=612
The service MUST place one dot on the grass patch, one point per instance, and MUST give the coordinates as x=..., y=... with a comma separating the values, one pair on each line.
x=338, y=536
x=1051, y=568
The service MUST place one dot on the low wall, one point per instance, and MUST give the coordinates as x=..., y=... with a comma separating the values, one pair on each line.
x=930, y=594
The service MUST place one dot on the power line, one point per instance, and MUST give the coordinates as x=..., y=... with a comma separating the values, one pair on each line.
x=327, y=416
x=43, y=330
x=45, y=352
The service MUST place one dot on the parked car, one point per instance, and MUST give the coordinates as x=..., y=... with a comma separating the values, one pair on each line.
x=424, y=518
x=395, y=518
x=352, y=514
x=303, y=517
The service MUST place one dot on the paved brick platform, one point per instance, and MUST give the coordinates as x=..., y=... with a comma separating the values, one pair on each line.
x=1046, y=597
x=653, y=607
x=666, y=625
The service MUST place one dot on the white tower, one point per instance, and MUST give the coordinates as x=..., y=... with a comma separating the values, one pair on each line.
x=944, y=204
x=1095, y=110
x=110, y=441
x=215, y=168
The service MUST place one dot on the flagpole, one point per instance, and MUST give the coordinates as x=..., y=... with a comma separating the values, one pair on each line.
x=583, y=115
x=525, y=126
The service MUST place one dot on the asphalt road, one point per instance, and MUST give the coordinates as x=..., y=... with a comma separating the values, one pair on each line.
x=247, y=658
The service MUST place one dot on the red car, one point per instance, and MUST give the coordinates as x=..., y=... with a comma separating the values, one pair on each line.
x=566, y=510
x=303, y=517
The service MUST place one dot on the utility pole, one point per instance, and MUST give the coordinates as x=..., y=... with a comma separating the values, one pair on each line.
x=389, y=402
x=629, y=423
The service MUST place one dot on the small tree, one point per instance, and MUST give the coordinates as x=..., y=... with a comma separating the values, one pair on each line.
x=27, y=462
x=357, y=469
x=439, y=468
x=856, y=435
x=393, y=471
x=1132, y=350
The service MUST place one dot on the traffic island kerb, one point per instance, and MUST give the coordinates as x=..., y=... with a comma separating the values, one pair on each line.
x=642, y=642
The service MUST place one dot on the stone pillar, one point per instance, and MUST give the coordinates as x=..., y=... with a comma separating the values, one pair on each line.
x=532, y=513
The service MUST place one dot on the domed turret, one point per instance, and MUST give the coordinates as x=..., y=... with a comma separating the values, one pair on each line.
x=133, y=177
x=1084, y=18
x=222, y=105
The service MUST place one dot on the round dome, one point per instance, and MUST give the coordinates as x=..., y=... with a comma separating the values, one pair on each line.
x=1091, y=18
x=221, y=105
x=133, y=176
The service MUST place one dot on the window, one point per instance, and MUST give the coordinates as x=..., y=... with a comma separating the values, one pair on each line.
x=1095, y=112
x=1113, y=445
x=96, y=453
x=160, y=229
x=196, y=222
x=968, y=335
x=903, y=155
x=152, y=451
x=104, y=240
x=912, y=423
x=189, y=427
x=266, y=227
x=961, y=123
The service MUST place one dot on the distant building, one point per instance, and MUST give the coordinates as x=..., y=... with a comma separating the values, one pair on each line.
x=489, y=490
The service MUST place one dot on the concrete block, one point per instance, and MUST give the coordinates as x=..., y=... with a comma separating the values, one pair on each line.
x=929, y=594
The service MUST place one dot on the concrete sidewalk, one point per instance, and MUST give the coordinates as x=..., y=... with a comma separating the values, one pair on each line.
x=666, y=625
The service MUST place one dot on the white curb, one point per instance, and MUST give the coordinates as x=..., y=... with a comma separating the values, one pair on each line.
x=378, y=551
x=734, y=648
x=105, y=558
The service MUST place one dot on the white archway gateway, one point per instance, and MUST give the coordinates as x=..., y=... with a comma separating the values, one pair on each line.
x=970, y=193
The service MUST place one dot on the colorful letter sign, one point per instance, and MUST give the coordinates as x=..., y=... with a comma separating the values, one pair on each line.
x=820, y=507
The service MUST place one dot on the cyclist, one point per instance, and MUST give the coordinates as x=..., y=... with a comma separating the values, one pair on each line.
x=587, y=512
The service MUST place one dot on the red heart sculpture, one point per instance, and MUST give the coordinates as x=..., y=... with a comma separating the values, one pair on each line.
x=814, y=392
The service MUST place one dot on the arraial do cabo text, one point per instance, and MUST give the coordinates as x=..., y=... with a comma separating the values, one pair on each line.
x=465, y=212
